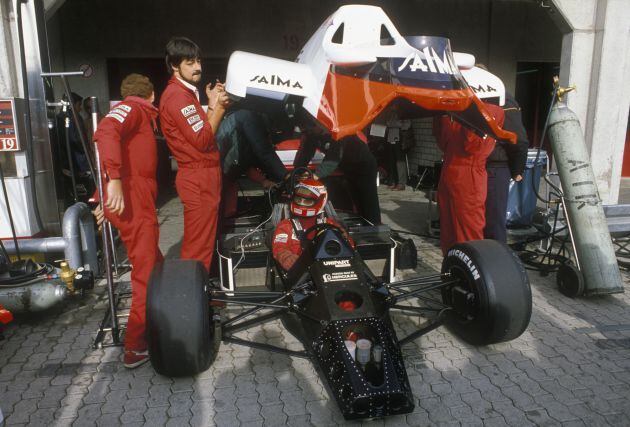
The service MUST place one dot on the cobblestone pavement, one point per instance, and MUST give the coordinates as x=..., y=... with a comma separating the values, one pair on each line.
x=571, y=367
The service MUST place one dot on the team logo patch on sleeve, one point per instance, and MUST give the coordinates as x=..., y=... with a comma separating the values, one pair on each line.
x=188, y=110
x=124, y=107
x=281, y=238
x=193, y=119
x=116, y=116
x=120, y=111
x=197, y=126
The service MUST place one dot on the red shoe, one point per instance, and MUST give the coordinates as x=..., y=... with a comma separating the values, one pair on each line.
x=133, y=359
x=217, y=304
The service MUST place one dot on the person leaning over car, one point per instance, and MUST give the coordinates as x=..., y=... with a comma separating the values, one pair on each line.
x=128, y=157
x=463, y=180
x=353, y=157
x=189, y=134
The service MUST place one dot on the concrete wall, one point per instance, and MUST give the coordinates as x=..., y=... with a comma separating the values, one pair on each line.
x=596, y=59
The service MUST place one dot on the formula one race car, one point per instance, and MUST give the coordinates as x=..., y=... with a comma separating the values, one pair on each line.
x=339, y=310
x=355, y=66
x=338, y=298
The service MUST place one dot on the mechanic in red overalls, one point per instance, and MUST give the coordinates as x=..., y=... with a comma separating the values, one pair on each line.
x=464, y=181
x=128, y=156
x=189, y=133
x=307, y=209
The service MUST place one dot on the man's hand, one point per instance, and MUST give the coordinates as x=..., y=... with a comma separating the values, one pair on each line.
x=224, y=100
x=214, y=94
x=115, y=200
x=518, y=178
x=99, y=215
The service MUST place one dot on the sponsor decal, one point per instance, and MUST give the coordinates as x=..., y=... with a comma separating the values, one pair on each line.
x=343, y=263
x=117, y=110
x=428, y=61
x=467, y=261
x=276, y=80
x=197, y=126
x=118, y=117
x=124, y=107
x=281, y=238
x=193, y=119
x=483, y=89
x=339, y=276
x=188, y=110
x=298, y=211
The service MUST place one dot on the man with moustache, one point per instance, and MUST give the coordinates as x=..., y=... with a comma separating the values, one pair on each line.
x=189, y=134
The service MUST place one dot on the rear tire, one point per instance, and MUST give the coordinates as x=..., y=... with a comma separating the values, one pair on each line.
x=179, y=333
x=502, y=304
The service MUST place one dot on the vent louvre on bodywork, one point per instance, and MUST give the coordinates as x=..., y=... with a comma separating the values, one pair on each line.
x=386, y=37
x=337, y=38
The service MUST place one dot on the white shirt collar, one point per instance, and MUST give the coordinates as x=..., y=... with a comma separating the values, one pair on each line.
x=189, y=86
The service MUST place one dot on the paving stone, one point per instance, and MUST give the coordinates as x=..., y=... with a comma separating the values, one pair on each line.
x=42, y=417
x=180, y=404
x=110, y=420
x=203, y=413
x=22, y=411
x=273, y=415
x=227, y=419
x=156, y=416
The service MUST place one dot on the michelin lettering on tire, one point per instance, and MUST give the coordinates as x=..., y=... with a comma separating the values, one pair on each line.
x=472, y=268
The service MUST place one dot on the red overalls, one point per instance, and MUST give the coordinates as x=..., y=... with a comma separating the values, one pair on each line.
x=464, y=181
x=128, y=152
x=287, y=247
x=191, y=140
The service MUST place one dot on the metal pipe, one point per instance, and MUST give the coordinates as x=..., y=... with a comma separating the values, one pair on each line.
x=78, y=242
x=64, y=73
x=78, y=232
x=34, y=297
x=45, y=245
x=107, y=249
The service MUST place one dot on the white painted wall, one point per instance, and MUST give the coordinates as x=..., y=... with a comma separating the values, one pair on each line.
x=596, y=58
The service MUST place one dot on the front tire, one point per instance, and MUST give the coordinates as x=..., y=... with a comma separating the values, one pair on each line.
x=179, y=334
x=492, y=302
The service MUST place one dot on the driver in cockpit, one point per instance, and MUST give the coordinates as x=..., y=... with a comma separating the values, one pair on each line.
x=307, y=210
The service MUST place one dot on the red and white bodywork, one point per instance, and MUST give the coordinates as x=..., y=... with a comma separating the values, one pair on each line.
x=357, y=63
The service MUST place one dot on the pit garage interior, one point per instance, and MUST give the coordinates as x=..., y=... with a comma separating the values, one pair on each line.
x=571, y=366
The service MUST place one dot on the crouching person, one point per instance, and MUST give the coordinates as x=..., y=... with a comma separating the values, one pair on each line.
x=128, y=156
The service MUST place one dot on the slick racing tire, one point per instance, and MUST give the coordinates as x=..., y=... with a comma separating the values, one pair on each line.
x=179, y=333
x=492, y=302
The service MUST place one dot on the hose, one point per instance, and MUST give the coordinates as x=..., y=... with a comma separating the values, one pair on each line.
x=11, y=282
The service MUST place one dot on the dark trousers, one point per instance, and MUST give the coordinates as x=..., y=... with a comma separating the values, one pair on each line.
x=496, y=203
x=248, y=145
x=361, y=177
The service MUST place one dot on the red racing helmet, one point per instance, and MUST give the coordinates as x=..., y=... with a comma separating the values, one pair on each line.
x=309, y=198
